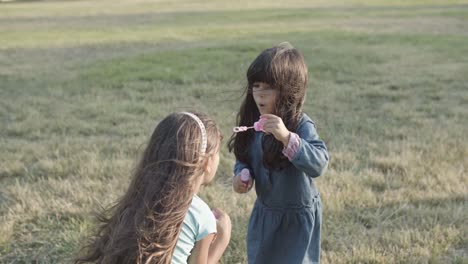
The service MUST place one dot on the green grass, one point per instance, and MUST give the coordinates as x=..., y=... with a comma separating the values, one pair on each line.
x=83, y=84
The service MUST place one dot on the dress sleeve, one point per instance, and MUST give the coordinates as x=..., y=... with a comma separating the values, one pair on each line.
x=293, y=146
x=312, y=154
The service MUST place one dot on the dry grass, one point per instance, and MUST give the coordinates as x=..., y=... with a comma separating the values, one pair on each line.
x=83, y=83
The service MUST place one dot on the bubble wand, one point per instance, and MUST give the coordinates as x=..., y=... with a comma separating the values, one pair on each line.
x=258, y=126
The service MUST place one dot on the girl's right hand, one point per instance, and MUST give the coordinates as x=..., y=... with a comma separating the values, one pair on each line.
x=240, y=186
x=223, y=225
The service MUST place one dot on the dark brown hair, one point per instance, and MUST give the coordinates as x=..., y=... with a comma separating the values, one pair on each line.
x=144, y=225
x=284, y=69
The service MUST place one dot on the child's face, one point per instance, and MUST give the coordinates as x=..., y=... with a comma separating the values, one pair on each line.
x=265, y=97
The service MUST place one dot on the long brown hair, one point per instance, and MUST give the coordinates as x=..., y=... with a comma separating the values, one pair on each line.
x=284, y=69
x=144, y=225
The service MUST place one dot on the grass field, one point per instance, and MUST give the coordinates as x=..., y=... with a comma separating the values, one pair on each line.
x=83, y=84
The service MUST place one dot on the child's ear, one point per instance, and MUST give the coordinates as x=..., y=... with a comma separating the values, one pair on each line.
x=207, y=165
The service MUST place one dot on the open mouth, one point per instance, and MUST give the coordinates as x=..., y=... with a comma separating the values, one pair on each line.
x=261, y=105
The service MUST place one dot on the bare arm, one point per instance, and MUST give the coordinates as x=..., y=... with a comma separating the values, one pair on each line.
x=201, y=250
x=211, y=248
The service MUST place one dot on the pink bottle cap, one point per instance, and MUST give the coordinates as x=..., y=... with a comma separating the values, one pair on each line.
x=258, y=126
x=245, y=175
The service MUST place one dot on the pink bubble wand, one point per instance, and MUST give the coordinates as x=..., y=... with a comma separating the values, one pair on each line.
x=258, y=126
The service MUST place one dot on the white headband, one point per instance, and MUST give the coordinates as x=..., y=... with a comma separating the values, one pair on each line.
x=203, y=131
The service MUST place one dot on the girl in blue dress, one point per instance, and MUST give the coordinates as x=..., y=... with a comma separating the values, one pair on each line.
x=282, y=156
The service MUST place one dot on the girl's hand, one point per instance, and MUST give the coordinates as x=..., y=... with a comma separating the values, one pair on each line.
x=223, y=225
x=274, y=125
x=240, y=186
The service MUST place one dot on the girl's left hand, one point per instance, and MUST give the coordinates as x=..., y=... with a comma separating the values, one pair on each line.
x=274, y=124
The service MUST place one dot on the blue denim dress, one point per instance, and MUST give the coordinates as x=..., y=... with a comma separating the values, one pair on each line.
x=285, y=223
